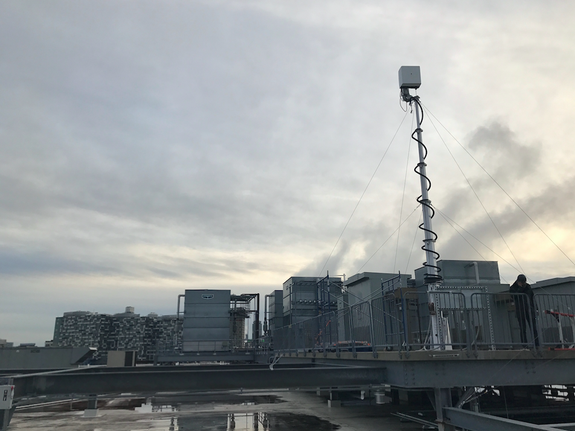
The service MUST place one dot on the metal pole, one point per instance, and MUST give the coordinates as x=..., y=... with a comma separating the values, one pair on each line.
x=178, y=310
x=429, y=238
x=442, y=399
x=257, y=334
x=430, y=255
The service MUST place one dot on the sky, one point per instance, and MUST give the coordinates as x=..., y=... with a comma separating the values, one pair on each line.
x=148, y=147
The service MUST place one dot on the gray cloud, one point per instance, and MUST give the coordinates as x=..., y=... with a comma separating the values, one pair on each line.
x=509, y=158
x=517, y=167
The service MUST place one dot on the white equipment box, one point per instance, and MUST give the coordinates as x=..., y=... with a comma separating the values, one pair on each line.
x=409, y=77
x=6, y=396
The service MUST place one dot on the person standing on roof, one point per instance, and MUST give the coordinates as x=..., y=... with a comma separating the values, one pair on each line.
x=524, y=308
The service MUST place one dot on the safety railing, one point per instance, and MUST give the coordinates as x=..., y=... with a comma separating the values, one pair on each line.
x=402, y=320
x=205, y=345
x=556, y=317
x=492, y=320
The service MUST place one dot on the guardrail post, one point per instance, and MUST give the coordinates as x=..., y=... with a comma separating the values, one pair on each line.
x=372, y=334
x=476, y=306
x=404, y=322
x=468, y=330
x=92, y=407
x=535, y=330
x=297, y=338
x=351, y=331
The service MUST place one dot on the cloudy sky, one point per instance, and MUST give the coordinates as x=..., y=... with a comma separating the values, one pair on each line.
x=147, y=147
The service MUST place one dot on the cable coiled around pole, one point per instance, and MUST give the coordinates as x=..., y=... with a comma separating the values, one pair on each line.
x=433, y=277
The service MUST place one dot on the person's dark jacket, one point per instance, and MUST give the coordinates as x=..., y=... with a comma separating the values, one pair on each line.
x=524, y=304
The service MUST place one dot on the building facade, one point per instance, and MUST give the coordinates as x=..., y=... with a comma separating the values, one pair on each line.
x=207, y=321
x=123, y=331
x=307, y=297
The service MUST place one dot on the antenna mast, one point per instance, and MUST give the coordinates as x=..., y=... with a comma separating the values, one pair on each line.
x=410, y=77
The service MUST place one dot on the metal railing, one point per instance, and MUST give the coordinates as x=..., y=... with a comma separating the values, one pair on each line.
x=556, y=316
x=470, y=321
x=205, y=346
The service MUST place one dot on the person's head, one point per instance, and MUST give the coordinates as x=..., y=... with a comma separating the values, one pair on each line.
x=521, y=279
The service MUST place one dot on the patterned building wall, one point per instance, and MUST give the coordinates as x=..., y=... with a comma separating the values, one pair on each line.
x=126, y=333
x=162, y=334
x=79, y=329
x=119, y=332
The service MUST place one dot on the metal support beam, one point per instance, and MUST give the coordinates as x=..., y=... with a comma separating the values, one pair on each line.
x=481, y=422
x=157, y=379
x=442, y=400
x=437, y=369
x=433, y=374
